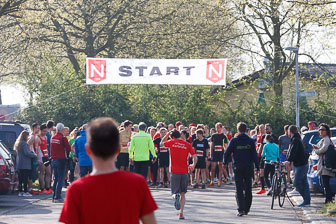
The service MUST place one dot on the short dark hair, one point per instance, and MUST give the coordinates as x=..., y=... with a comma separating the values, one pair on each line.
x=103, y=137
x=241, y=126
x=293, y=129
x=269, y=138
x=35, y=125
x=43, y=126
x=175, y=134
x=199, y=131
x=268, y=124
x=50, y=124
x=127, y=122
x=327, y=128
x=286, y=127
x=185, y=133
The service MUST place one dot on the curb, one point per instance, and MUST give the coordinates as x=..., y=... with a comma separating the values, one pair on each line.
x=24, y=205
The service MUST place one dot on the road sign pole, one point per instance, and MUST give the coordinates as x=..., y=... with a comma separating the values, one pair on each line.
x=297, y=89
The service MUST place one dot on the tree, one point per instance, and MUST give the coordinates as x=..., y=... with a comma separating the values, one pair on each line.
x=276, y=24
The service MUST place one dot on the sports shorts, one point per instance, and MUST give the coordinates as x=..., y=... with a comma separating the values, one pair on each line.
x=123, y=160
x=217, y=157
x=200, y=163
x=179, y=182
x=262, y=163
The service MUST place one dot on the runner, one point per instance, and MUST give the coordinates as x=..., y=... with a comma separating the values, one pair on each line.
x=179, y=151
x=218, y=142
x=163, y=155
x=201, y=148
x=284, y=142
x=270, y=154
x=268, y=130
x=84, y=161
x=141, y=144
x=244, y=155
x=44, y=166
x=125, y=139
x=32, y=140
x=125, y=198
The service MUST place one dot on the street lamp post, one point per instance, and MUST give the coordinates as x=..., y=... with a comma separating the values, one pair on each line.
x=296, y=51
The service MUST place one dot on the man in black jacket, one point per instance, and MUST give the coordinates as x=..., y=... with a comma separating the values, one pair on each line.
x=299, y=157
x=244, y=155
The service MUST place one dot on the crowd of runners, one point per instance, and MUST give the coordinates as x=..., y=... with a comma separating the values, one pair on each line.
x=166, y=155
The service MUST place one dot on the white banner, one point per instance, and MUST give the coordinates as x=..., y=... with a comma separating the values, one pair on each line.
x=156, y=71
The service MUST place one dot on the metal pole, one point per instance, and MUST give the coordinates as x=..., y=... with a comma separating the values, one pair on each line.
x=297, y=89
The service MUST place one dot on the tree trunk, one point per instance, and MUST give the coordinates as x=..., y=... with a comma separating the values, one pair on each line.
x=277, y=87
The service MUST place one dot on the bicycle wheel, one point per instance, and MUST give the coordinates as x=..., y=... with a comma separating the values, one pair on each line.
x=274, y=188
x=282, y=189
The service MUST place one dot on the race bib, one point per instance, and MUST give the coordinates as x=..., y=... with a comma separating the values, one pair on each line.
x=164, y=149
x=199, y=152
x=218, y=148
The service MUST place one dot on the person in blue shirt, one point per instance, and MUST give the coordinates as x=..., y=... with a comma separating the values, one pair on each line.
x=270, y=154
x=84, y=161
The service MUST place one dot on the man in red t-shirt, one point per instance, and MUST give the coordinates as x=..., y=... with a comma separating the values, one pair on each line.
x=107, y=195
x=179, y=151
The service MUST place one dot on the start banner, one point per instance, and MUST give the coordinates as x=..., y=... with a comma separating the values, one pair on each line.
x=156, y=71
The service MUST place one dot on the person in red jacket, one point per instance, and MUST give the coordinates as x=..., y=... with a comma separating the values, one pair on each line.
x=107, y=195
x=59, y=150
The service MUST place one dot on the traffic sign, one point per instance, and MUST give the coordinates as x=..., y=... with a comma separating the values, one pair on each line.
x=304, y=94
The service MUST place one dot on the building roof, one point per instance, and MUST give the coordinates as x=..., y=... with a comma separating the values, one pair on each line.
x=306, y=70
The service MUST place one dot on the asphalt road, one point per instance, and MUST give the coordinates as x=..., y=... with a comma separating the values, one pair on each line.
x=212, y=205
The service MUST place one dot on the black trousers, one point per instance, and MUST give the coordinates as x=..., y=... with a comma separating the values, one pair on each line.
x=23, y=179
x=243, y=179
x=326, y=186
x=141, y=167
x=154, y=170
x=269, y=171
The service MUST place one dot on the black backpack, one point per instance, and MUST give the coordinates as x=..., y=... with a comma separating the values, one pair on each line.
x=329, y=158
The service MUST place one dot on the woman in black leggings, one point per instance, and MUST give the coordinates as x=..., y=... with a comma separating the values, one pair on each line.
x=271, y=154
x=23, y=162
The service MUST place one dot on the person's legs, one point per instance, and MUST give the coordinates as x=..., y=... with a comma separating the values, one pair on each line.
x=301, y=183
x=213, y=170
x=266, y=174
x=61, y=172
x=248, y=189
x=220, y=175
x=41, y=176
x=240, y=198
x=207, y=169
x=55, y=165
x=327, y=190
x=25, y=180
x=198, y=171
x=20, y=172
x=231, y=170
x=182, y=202
x=203, y=176
x=48, y=177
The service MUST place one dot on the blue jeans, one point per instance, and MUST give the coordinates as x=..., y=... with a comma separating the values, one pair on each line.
x=84, y=170
x=59, y=171
x=301, y=182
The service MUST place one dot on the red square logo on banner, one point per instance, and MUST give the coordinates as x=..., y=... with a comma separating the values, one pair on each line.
x=97, y=69
x=215, y=70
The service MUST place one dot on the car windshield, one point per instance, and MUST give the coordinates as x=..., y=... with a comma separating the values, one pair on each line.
x=4, y=153
x=8, y=138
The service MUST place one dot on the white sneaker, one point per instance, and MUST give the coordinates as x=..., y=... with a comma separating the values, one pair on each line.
x=20, y=194
x=294, y=193
x=27, y=195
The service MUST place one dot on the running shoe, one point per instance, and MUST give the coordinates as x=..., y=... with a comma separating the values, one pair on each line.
x=195, y=185
x=294, y=193
x=50, y=191
x=165, y=185
x=44, y=191
x=20, y=194
x=208, y=181
x=211, y=184
x=32, y=192
x=177, y=203
x=219, y=184
x=269, y=192
x=181, y=216
x=160, y=186
x=262, y=191
x=255, y=185
x=228, y=182
x=27, y=194
x=303, y=205
x=240, y=214
x=203, y=186
x=58, y=200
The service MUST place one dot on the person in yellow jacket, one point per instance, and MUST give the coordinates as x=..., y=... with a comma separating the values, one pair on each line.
x=141, y=145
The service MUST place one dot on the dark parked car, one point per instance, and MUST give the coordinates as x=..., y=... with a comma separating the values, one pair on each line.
x=9, y=131
x=8, y=179
x=310, y=138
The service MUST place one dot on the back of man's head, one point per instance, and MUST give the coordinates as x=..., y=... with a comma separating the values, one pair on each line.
x=241, y=126
x=103, y=137
x=175, y=134
x=59, y=127
x=142, y=126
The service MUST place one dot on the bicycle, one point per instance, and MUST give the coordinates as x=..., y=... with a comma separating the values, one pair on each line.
x=279, y=184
